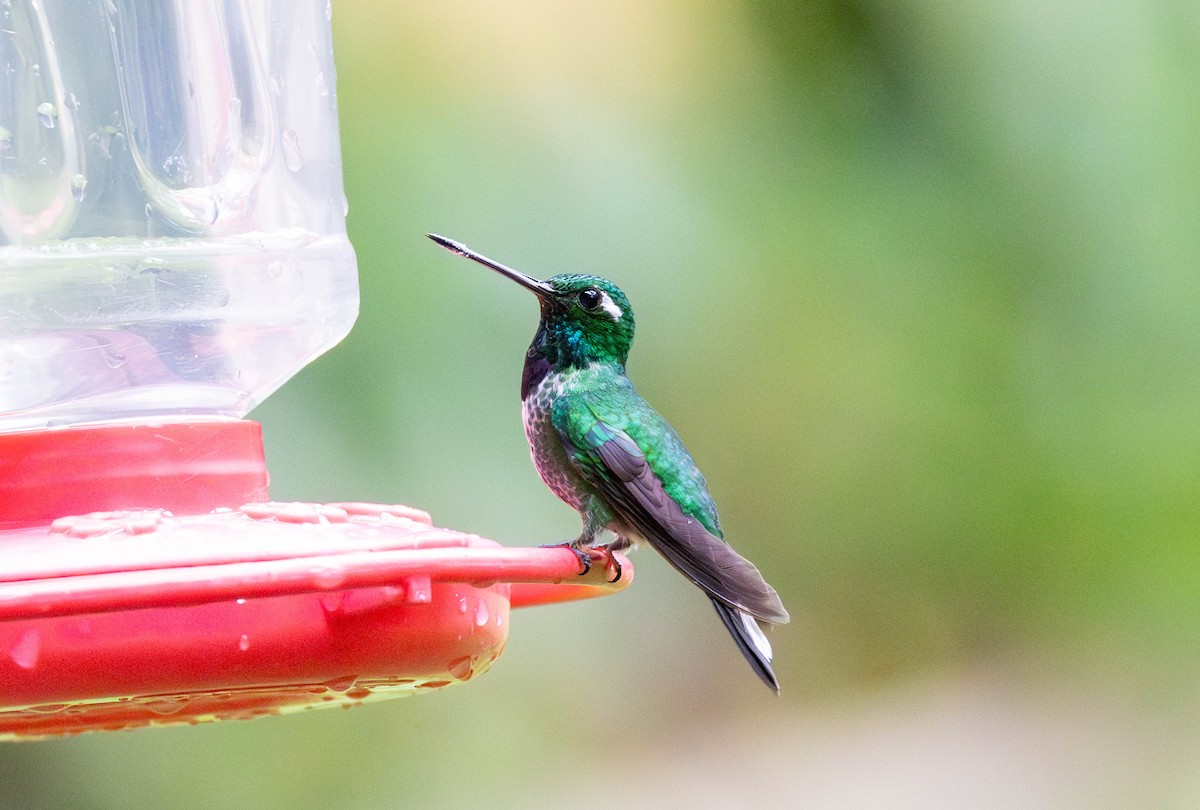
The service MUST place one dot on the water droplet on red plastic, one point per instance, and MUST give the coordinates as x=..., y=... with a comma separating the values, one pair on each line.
x=433, y=684
x=244, y=642
x=164, y=706
x=358, y=693
x=460, y=668
x=419, y=590
x=481, y=614
x=341, y=684
x=331, y=603
x=24, y=653
x=328, y=577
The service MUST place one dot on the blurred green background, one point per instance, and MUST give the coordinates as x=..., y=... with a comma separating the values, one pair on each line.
x=917, y=283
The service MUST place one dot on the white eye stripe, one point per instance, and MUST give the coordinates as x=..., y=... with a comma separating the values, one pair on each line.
x=610, y=306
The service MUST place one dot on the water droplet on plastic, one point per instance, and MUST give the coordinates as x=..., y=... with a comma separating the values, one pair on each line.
x=341, y=684
x=73, y=101
x=5, y=139
x=328, y=577
x=103, y=138
x=149, y=210
x=358, y=693
x=178, y=170
x=114, y=359
x=481, y=614
x=244, y=642
x=78, y=187
x=292, y=157
x=345, y=205
x=164, y=706
x=332, y=603
x=418, y=590
x=462, y=604
x=322, y=87
x=329, y=9
x=37, y=69
x=24, y=653
x=47, y=114
x=240, y=601
x=460, y=668
x=275, y=269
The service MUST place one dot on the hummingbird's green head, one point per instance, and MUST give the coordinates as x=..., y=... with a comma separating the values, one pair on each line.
x=585, y=319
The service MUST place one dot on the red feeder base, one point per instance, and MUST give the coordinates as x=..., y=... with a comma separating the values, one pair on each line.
x=136, y=617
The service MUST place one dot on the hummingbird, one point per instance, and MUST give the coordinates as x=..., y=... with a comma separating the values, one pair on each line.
x=603, y=450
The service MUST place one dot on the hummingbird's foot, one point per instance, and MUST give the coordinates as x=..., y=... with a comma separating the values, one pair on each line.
x=588, y=553
x=584, y=558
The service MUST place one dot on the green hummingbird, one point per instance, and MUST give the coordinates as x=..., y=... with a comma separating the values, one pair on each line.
x=603, y=450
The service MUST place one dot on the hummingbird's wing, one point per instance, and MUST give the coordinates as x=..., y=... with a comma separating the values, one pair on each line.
x=609, y=459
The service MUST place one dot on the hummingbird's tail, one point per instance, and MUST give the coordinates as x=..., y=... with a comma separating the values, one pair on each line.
x=750, y=639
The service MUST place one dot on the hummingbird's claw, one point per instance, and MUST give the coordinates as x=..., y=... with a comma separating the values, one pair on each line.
x=611, y=562
x=584, y=559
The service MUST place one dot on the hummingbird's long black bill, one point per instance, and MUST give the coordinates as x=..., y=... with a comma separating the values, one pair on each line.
x=539, y=288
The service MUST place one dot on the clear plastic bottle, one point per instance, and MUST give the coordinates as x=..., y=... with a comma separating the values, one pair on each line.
x=172, y=222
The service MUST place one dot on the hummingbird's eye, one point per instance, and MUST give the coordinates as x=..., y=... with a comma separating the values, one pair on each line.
x=590, y=298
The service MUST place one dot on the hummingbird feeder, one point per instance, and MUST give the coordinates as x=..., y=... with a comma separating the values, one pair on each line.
x=172, y=250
